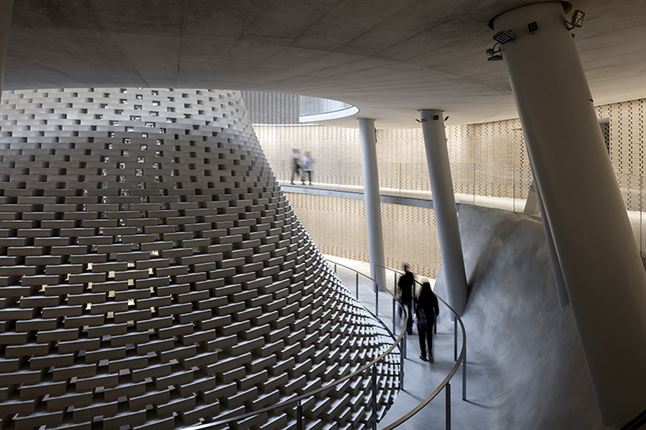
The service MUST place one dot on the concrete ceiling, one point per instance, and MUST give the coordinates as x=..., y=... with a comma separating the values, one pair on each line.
x=388, y=57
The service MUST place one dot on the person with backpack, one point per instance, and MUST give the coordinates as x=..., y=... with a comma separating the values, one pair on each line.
x=427, y=311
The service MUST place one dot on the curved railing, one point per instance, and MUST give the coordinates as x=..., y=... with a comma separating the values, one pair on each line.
x=445, y=385
x=399, y=341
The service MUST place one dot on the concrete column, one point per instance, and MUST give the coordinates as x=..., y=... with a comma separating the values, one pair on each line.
x=368, y=140
x=601, y=266
x=6, y=10
x=448, y=232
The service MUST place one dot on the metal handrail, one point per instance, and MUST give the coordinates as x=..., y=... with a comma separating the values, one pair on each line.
x=400, y=341
x=446, y=382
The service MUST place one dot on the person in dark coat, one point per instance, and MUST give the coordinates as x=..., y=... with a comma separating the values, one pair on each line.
x=295, y=163
x=427, y=311
x=406, y=285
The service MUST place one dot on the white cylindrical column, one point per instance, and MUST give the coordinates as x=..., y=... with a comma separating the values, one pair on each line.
x=601, y=265
x=6, y=10
x=448, y=233
x=367, y=139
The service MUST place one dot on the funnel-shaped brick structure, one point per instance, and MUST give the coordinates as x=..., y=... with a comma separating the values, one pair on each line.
x=153, y=275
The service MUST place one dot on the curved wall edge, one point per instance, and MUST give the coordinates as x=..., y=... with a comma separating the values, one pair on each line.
x=517, y=328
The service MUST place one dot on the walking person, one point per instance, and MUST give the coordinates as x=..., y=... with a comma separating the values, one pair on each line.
x=405, y=284
x=306, y=167
x=427, y=311
x=295, y=161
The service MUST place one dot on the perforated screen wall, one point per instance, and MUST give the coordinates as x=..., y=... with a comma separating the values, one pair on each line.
x=265, y=107
x=625, y=129
x=335, y=151
x=337, y=226
x=486, y=159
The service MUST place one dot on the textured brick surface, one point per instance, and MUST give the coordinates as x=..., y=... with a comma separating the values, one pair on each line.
x=152, y=274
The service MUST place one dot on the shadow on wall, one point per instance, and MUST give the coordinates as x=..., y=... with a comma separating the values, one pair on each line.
x=517, y=329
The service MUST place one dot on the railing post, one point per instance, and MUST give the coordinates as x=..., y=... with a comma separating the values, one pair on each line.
x=356, y=284
x=393, y=316
x=395, y=297
x=299, y=416
x=455, y=338
x=401, y=364
x=376, y=299
x=395, y=283
x=447, y=411
x=374, y=396
x=464, y=373
x=404, y=342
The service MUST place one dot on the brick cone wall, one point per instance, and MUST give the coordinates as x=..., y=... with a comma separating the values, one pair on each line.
x=153, y=275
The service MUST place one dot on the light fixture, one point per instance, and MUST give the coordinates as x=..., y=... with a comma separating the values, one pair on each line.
x=503, y=37
x=576, y=20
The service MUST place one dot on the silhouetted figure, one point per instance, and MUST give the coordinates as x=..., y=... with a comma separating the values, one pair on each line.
x=405, y=284
x=427, y=311
x=306, y=167
x=295, y=161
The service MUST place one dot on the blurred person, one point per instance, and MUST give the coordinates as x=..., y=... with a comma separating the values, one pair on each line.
x=295, y=161
x=306, y=167
x=406, y=285
x=427, y=310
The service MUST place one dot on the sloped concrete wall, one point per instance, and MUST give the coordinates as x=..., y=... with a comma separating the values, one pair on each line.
x=517, y=329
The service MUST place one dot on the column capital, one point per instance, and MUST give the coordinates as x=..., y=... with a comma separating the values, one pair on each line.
x=431, y=115
x=567, y=7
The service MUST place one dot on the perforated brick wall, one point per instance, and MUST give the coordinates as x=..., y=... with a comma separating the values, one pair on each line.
x=625, y=133
x=337, y=226
x=153, y=275
x=266, y=107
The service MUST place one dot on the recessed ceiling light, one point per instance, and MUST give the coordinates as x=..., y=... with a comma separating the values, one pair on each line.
x=503, y=37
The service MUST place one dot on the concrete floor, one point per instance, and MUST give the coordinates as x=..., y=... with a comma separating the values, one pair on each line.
x=478, y=412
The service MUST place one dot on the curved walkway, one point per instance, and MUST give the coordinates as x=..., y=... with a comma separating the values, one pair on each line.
x=423, y=199
x=422, y=377
x=418, y=198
